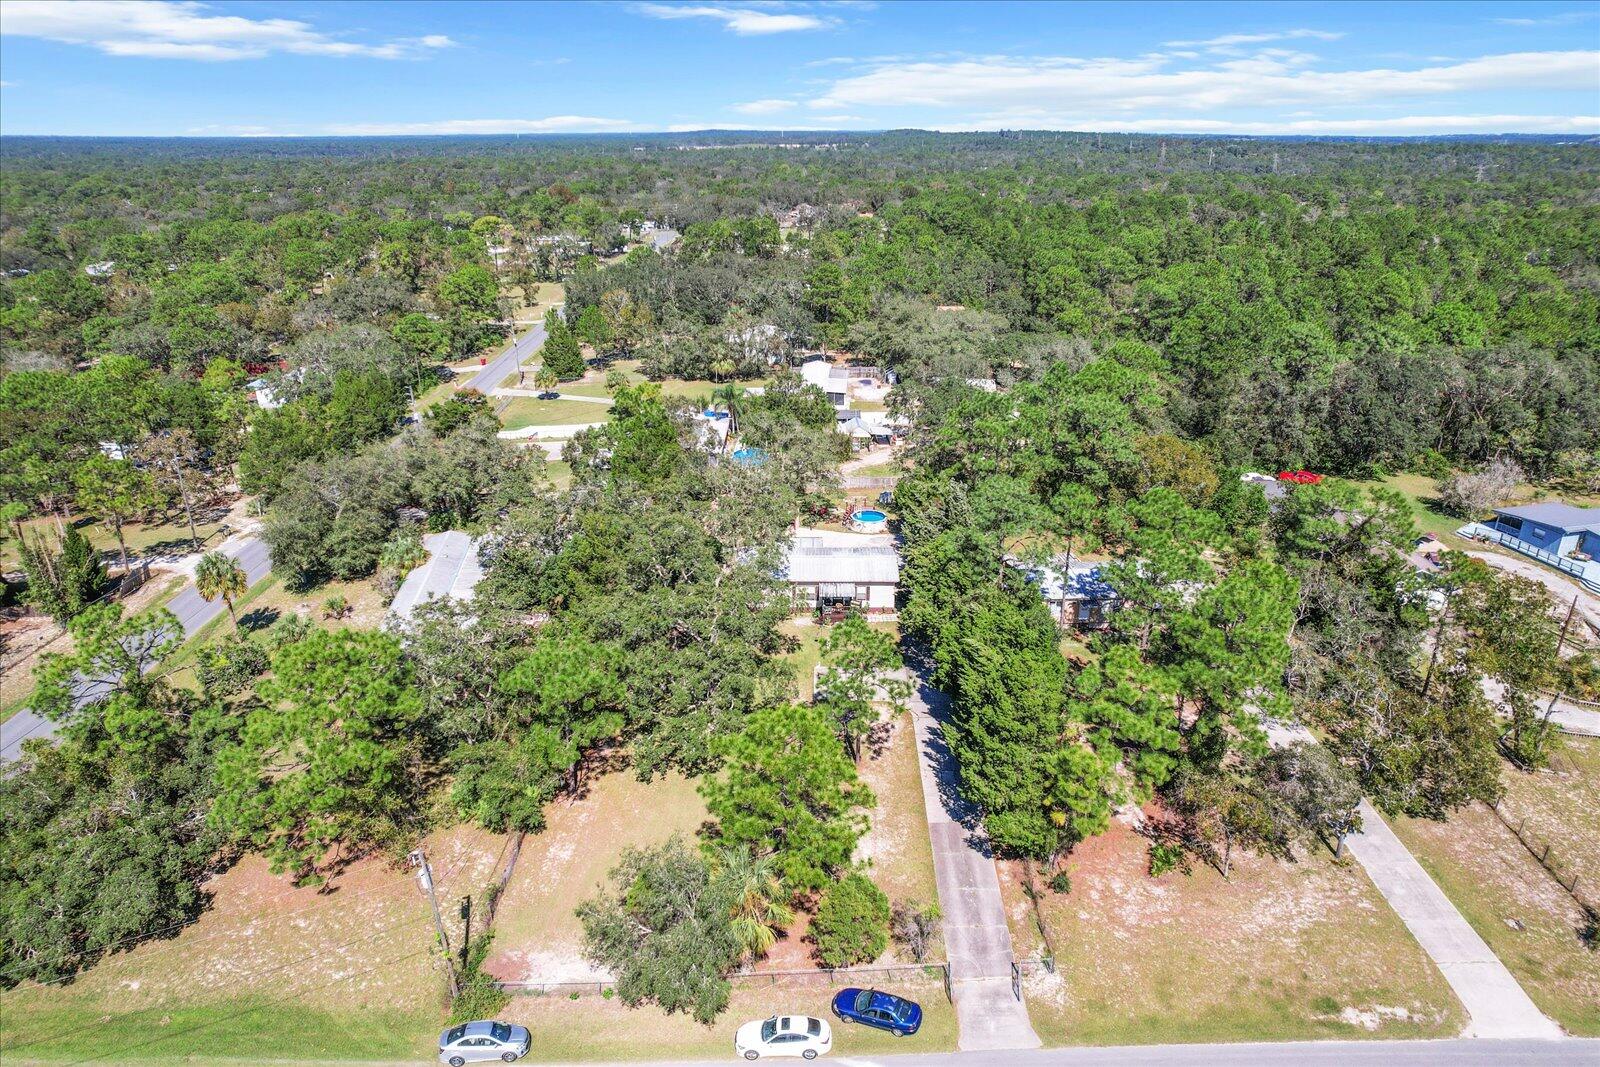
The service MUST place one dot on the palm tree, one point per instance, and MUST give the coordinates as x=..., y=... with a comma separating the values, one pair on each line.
x=723, y=367
x=759, y=912
x=221, y=576
x=545, y=379
x=731, y=397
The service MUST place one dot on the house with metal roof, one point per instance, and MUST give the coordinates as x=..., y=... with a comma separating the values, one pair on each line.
x=829, y=570
x=1560, y=535
x=1079, y=599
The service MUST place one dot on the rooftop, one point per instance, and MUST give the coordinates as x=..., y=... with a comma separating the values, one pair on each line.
x=1557, y=514
x=829, y=556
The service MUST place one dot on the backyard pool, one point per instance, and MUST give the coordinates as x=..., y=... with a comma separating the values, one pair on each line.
x=871, y=520
x=750, y=457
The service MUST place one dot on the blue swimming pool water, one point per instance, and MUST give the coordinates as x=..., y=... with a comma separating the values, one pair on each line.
x=871, y=516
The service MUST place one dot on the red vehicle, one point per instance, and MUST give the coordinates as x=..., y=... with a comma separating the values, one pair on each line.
x=1299, y=477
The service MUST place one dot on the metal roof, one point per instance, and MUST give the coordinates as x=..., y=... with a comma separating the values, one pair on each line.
x=1554, y=513
x=867, y=559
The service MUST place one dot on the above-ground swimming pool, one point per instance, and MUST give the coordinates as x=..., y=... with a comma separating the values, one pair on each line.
x=870, y=520
x=750, y=457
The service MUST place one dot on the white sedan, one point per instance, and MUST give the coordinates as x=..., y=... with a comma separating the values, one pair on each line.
x=783, y=1035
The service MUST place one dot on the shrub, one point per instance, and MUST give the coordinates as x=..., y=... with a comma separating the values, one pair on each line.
x=1060, y=883
x=1167, y=856
x=852, y=923
x=336, y=607
x=1472, y=495
x=914, y=926
x=230, y=665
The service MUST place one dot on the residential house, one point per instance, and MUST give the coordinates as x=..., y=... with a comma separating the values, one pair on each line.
x=1079, y=599
x=831, y=572
x=1557, y=534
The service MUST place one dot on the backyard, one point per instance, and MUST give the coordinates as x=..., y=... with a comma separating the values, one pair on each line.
x=1279, y=951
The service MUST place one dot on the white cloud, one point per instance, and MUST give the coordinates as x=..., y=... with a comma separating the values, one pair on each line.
x=1233, y=40
x=1405, y=126
x=164, y=29
x=763, y=107
x=1565, y=18
x=1154, y=83
x=741, y=20
x=553, y=124
x=840, y=118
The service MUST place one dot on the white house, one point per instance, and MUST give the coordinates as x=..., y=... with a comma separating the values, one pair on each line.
x=819, y=372
x=827, y=569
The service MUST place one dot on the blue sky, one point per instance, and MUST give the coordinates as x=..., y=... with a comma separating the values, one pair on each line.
x=159, y=68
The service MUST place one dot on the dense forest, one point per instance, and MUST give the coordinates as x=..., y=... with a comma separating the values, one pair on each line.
x=1091, y=337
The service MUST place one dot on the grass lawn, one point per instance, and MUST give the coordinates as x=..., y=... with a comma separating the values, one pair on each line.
x=167, y=535
x=593, y=1028
x=559, y=472
x=877, y=470
x=1423, y=491
x=1281, y=951
x=897, y=845
x=538, y=936
x=1559, y=807
x=1492, y=879
x=526, y=411
x=268, y=972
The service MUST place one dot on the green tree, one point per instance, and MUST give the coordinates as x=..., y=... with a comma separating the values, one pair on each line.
x=61, y=582
x=852, y=922
x=471, y=297
x=664, y=929
x=857, y=674
x=115, y=492
x=560, y=353
x=328, y=763
x=218, y=576
x=789, y=791
x=570, y=689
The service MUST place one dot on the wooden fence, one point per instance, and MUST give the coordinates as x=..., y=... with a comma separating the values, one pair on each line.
x=841, y=976
x=1548, y=858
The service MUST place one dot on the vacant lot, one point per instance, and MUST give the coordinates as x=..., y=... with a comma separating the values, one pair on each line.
x=526, y=411
x=1560, y=807
x=1281, y=951
x=592, y=1028
x=268, y=972
x=1516, y=906
x=897, y=845
x=538, y=937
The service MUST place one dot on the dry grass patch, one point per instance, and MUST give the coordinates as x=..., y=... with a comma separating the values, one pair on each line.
x=1529, y=921
x=1560, y=807
x=537, y=934
x=897, y=845
x=1280, y=952
x=269, y=971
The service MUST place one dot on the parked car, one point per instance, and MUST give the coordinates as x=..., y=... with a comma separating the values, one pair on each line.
x=784, y=1035
x=480, y=1042
x=885, y=1011
x=549, y=394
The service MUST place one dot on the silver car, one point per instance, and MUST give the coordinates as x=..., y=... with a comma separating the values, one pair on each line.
x=483, y=1041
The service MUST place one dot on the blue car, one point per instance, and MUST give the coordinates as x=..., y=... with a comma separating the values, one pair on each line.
x=899, y=1016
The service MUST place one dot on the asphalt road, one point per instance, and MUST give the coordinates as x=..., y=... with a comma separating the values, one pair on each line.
x=507, y=362
x=1456, y=1053
x=193, y=612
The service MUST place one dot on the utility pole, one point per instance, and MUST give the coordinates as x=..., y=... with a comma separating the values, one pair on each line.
x=466, y=930
x=419, y=860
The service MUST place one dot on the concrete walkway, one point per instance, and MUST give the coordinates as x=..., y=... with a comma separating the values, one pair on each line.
x=977, y=939
x=535, y=393
x=1497, y=1006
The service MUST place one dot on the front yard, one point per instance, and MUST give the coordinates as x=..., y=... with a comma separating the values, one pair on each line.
x=1279, y=952
x=269, y=972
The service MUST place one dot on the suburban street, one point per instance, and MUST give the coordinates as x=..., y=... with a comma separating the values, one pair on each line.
x=193, y=612
x=506, y=363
